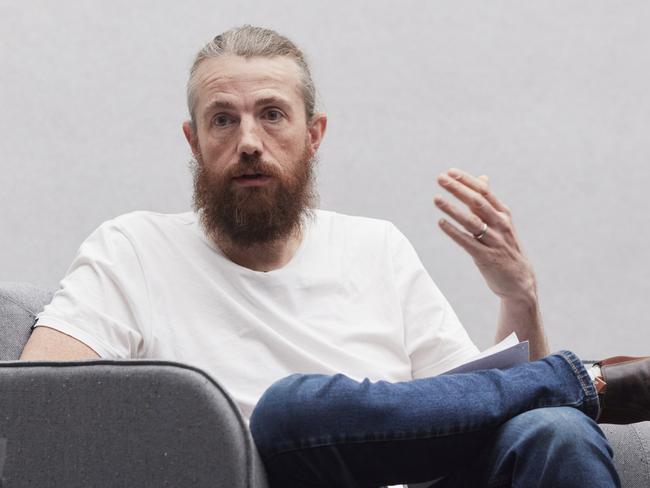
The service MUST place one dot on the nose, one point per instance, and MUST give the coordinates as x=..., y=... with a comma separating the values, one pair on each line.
x=250, y=142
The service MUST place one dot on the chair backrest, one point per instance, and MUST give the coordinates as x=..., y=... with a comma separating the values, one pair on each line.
x=19, y=304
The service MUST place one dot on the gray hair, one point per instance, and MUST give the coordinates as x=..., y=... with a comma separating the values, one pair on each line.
x=250, y=41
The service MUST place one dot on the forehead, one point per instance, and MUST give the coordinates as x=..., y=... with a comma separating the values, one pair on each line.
x=235, y=76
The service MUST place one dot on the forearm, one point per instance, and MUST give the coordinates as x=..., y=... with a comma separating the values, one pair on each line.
x=523, y=317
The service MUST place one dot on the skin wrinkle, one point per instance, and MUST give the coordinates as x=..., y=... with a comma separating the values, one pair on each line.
x=273, y=77
x=226, y=105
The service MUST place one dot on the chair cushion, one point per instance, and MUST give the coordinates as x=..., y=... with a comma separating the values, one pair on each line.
x=631, y=444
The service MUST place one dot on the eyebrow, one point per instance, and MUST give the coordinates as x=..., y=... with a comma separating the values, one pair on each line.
x=224, y=104
x=273, y=100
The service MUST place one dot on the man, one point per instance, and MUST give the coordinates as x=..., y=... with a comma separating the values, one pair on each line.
x=335, y=313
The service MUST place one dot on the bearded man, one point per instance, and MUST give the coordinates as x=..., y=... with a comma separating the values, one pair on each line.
x=325, y=328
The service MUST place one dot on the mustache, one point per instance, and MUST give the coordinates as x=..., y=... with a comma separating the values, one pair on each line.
x=252, y=164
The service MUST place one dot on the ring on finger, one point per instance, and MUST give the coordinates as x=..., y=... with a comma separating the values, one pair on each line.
x=483, y=232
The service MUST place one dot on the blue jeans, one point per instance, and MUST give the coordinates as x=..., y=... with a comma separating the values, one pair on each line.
x=529, y=425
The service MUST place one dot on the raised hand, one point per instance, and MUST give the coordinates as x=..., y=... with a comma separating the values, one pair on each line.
x=490, y=236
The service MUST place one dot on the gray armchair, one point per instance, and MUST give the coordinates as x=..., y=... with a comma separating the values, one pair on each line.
x=107, y=424
x=146, y=423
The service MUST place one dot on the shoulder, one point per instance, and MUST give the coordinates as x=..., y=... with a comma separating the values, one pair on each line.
x=142, y=222
x=144, y=218
x=365, y=238
x=140, y=228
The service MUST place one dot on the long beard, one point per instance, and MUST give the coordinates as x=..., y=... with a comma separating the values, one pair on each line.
x=251, y=215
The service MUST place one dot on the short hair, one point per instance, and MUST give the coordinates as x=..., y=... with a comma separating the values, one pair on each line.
x=250, y=41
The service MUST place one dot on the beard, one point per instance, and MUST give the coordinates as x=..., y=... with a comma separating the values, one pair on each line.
x=249, y=215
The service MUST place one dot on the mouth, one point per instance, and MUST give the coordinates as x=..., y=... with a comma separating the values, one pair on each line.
x=249, y=176
x=252, y=179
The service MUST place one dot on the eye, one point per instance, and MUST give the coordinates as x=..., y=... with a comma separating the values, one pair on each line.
x=273, y=115
x=222, y=120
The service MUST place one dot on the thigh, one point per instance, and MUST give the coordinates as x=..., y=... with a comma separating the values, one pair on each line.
x=316, y=430
x=319, y=430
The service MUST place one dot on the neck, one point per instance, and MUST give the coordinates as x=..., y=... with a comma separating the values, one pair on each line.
x=266, y=256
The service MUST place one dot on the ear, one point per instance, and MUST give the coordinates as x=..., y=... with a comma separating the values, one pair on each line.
x=191, y=136
x=316, y=130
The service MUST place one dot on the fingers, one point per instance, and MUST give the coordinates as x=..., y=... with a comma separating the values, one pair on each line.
x=480, y=185
x=497, y=254
x=469, y=221
x=472, y=197
x=483, y=207
x=467, y=242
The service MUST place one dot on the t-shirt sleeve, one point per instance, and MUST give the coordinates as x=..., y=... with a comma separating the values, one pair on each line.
x=434, y=338
x=103, y=301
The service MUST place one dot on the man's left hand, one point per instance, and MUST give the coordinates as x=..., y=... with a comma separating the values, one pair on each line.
x=490, y=238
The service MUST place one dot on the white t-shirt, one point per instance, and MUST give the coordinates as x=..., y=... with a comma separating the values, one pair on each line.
x=355, y=299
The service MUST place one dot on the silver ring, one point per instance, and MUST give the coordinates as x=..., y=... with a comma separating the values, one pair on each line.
x=483, y=232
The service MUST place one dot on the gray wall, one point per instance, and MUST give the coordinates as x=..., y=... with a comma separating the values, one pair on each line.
x=550, y=98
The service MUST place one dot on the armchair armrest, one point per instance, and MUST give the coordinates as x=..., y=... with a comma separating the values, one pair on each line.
x=121, y=423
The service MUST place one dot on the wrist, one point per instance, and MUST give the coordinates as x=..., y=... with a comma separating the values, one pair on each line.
x=520, y=314
x=523, y=302
x=523, y=296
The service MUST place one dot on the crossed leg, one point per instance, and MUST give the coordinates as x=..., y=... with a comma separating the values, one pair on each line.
x=494, y=428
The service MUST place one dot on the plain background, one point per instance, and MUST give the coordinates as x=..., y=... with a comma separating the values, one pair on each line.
x=549, y=98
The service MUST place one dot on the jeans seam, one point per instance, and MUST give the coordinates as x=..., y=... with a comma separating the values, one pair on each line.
x=589, y=390
x=500, y=481
x=271, y=455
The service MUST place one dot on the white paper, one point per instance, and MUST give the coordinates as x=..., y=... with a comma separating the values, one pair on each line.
x=505, y=354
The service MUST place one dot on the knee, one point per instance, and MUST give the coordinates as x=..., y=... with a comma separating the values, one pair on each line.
x=559, y=431
x=284, y=406
x=557, y=446
x=271, y=409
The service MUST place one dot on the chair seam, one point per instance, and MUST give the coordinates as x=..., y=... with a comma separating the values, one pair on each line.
x=18, y=304
x=645, y=450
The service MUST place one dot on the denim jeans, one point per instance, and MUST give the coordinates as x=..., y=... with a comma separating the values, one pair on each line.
x=529, y=425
